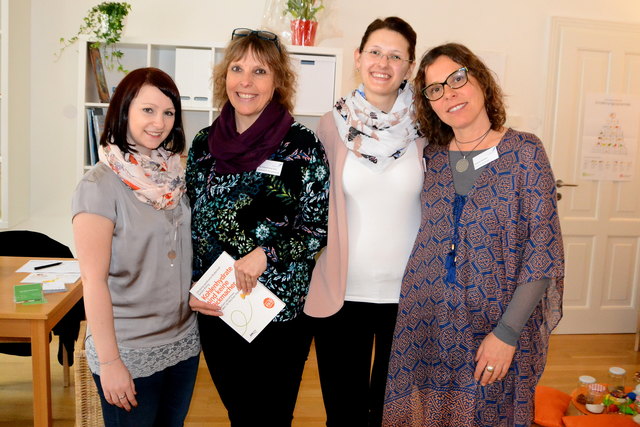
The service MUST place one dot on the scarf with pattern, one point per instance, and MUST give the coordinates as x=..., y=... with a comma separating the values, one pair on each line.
x=157, y=180
x=375, y=137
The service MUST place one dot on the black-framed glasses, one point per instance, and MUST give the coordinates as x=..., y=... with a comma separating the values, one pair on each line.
x=261, y=34
x=377, y=56
x=455, y=80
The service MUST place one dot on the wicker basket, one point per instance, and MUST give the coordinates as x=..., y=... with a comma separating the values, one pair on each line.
x=88, y=409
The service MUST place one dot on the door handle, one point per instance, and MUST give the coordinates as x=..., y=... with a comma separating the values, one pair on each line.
x=560, y=183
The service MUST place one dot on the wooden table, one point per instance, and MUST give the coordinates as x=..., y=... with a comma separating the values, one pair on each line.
x=33, y=323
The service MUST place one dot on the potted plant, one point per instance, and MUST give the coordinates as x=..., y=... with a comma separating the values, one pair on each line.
x=303, y=20
x=104, y=23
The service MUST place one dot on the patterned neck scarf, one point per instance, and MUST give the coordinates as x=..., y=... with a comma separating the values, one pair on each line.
x=157, y=180
x=375, y=137
x=242, y=152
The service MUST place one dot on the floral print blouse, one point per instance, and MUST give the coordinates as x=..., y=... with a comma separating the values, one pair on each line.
x=285, y=214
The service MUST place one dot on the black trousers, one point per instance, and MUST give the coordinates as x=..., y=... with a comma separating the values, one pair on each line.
x=352, y=389
x=258, y=382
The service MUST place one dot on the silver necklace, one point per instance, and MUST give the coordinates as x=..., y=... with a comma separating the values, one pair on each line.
x=463, y=164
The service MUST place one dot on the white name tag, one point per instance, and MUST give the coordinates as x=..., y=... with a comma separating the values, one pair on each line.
x=485, y=157
x=270, y=167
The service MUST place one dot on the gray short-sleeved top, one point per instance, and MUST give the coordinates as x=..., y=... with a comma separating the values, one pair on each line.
x=150, y=297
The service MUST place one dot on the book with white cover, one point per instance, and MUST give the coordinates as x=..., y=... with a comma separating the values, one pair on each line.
x=246, y=314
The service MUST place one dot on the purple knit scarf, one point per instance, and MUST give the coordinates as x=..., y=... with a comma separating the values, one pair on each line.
x=242, y=152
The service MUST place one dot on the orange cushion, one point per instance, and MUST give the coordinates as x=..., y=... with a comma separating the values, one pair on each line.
x=602, y=420
x=550, y=406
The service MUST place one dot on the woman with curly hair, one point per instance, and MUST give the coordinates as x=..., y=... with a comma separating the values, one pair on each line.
x=483, y=287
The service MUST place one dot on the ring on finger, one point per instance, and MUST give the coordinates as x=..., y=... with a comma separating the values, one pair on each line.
x=490, y=368
x=124, y=396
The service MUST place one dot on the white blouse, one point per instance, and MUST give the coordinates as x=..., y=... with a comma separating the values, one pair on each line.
x=383, y=216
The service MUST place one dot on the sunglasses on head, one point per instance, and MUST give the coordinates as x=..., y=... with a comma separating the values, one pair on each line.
x=261, y=34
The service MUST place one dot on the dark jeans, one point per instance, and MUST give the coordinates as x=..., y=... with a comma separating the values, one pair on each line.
x=163, y=398
x=258, y=382
x=353, y=390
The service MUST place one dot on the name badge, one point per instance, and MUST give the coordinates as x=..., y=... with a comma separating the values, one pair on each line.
x=485, y=157
x=270, y=167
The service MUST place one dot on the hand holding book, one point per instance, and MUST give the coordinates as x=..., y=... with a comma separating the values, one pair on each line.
x=247, y=314
x=249, y=268
x=204, y=307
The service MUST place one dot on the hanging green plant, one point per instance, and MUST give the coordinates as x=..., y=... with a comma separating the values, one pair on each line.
x=104, y=23
x=303, y=9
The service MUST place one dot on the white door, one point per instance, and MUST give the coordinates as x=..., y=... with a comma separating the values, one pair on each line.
x=600, y=219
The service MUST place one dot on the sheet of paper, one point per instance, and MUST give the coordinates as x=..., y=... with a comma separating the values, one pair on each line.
x=66, y=267
x=46, y=277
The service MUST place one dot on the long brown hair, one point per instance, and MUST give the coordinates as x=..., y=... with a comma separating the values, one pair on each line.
x=265, y=51
x=436, y=131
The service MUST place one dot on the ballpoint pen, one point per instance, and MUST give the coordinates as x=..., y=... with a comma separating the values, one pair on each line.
x=53, y=264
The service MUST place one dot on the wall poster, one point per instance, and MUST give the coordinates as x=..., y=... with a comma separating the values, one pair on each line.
x=610, y=137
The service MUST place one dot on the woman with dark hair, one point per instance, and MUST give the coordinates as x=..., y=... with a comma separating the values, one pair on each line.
x=131, y=223
x=375, y=154
x=258, y=183
x=483, y=287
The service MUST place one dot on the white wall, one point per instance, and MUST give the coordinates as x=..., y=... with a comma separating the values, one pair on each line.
x=517, y=28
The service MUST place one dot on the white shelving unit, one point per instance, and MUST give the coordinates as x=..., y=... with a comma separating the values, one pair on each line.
x=14, y=111
x=319, y=70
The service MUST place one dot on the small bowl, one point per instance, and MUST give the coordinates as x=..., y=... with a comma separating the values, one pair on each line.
x=595, y=408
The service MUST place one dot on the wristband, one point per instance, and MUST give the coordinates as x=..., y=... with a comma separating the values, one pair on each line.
x=109, y=362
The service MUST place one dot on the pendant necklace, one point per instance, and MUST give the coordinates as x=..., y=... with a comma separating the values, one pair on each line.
x=175, y=222
x=463, y=164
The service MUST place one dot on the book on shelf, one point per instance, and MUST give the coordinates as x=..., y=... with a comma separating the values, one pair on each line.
x=91, y=138
x=247, y=314
x=99, y=114
x=98, y=73
x=95, y=126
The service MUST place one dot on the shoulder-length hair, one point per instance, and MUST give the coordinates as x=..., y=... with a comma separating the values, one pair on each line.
x=435, y=130
x=117, y=121
x=268, y=53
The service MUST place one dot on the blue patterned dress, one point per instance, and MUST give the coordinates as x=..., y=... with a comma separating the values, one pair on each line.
x=285, y=214
x=508, y=235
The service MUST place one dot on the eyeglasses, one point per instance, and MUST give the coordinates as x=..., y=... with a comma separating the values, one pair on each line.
x=261, y=34
x=455, y=80
x=377, y=56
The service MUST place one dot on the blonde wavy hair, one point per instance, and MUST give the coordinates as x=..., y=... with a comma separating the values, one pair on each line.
x=276, y=57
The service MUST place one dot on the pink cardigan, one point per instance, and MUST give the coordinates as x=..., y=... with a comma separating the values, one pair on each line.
x=329, y=279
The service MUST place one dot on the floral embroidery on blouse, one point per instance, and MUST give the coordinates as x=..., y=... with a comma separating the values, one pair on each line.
x=285, y=214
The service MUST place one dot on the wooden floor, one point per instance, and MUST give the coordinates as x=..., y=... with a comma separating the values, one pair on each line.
x=570, y=356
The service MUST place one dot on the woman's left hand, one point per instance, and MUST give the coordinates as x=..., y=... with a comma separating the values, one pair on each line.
x=493, y=360
x=203, y=307
x=249, y=268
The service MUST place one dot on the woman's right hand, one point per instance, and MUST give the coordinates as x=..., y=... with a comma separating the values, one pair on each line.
x=203, y=307
x=117, y=385
x=249, y=268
